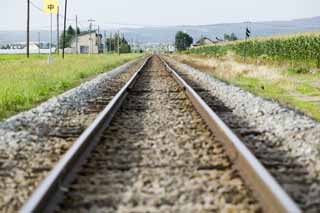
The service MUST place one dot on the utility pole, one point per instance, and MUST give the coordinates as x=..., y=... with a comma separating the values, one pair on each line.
x=28, y=27
x=90, y=39
x=105, y=41
x=118, y=42
x=77, y=34
x=50, y=44
x=39, y=41
x=58, y=33
x=248, y=32
x=110, y=42
x=64, y=27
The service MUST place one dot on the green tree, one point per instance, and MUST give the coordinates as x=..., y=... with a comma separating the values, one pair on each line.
x=112, y=44
x=183, y=41
x=70, y=34
x=231, y=37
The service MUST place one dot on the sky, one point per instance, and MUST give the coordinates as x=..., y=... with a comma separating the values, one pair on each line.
x=157, y=13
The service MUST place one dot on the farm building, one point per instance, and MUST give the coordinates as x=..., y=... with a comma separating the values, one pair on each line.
x=204, y=41
x=85, y=45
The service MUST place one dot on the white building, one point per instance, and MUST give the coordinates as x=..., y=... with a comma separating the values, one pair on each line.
x=87, y=43
x=32, y=47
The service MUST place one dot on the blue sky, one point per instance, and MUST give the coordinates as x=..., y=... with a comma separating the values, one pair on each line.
x=163, y=12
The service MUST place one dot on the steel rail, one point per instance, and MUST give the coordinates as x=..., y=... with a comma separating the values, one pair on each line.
x=271, y=195
x=51, y=189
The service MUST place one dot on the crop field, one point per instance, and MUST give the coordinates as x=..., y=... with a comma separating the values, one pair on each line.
x=26, y=82
x=303, y=48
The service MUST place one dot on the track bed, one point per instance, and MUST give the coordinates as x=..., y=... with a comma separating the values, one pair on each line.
x=158, y=156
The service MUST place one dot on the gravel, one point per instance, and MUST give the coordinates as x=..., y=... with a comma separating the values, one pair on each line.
x=284, y=140
x=33, y=141
x=158, y=156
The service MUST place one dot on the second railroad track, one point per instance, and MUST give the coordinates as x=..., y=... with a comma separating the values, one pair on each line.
x=157, y=147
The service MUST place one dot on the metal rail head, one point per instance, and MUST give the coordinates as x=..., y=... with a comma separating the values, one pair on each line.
x=271, y=195
x=50, y=191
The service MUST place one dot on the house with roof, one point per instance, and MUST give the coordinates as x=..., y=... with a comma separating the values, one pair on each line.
x=87, y=43
x=204, y=41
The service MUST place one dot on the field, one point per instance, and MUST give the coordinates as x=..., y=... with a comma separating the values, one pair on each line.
x=27, y=82
x=301, y=49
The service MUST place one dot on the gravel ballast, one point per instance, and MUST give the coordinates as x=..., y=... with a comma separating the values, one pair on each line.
x=157, y=155
x=284, y=140
x=33, y=141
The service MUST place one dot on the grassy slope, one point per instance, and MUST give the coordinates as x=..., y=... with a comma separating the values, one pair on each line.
x=26, y=82
x=300, y=91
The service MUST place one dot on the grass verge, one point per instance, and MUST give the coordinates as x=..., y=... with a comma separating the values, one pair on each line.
x=27, y=82
x=297, y=90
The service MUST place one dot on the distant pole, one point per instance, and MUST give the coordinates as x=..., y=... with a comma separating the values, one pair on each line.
x=247, y=35
x=118, y=43
x=105, y=41
x=245, y=45
x=77, y=34
x=50, y=44
x=28, y=27
x=64, y=27
x=39, y=42
x=58, y=42
x=90, y=39
x=90, y=43
x=121, y=40
x=110, y=42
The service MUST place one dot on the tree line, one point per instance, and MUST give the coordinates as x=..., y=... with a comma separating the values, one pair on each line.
x=117, y=42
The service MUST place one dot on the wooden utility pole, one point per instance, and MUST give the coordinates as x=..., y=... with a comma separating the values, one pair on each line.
x=39, y=43
x=76, y=34
x=105, y=41
x=247, y=35
x=110, y=42
x=90, y=39
x=58, y=33
x=28, y=27
x=64, y=27
x=118, y=43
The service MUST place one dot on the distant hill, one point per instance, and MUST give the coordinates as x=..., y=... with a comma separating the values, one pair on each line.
x=166, y=34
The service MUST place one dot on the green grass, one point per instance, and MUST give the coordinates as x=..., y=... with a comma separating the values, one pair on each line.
x=296, y=89
x=263, y=88
x=307, y=89
x=277, y=91
x=26, y=82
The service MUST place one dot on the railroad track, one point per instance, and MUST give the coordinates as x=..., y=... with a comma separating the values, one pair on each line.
x=157, y=147
x=48, y=132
